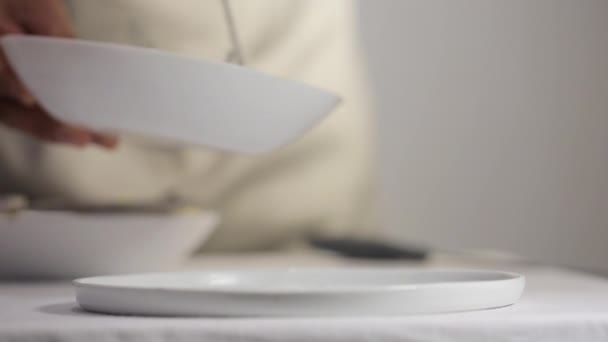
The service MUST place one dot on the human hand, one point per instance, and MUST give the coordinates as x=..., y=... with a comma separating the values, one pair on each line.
x=18, y=108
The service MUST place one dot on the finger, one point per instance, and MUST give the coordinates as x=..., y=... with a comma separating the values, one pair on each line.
x=62, y=133
x=40, y=125
x=44, y=17
x=10, y=85
x=104, y=140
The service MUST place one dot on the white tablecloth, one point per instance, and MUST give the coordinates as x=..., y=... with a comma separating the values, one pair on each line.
x=557, y=305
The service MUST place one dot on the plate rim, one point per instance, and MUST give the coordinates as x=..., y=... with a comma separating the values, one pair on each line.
x=510, y=277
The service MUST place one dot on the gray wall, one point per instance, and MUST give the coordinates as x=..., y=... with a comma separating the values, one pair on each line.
x=494, y=123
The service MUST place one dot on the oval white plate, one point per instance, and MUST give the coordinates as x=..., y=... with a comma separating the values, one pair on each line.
x=158, y=94
x=303, y=292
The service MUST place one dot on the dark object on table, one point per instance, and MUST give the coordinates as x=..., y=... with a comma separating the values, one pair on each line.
x=366, y=249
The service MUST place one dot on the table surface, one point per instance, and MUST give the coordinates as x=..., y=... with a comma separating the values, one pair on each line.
x=557, y=305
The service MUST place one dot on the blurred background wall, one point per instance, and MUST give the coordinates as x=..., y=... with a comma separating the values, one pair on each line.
x=494, y=123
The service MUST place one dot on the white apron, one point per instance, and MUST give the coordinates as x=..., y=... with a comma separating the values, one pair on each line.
x=321, y=183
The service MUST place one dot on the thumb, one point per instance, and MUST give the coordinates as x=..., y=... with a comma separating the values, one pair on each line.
x=44, y=17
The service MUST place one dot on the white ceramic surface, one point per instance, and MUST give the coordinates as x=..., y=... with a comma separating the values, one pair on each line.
x=56, y=244
x=300, y=292
x=148, y=92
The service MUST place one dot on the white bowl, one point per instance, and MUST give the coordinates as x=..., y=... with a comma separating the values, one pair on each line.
x=118, y=88
x=56, y=244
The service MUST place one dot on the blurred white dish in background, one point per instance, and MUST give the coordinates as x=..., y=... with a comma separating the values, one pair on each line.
x=149, y=92
x=63, y=244
x=300, y=292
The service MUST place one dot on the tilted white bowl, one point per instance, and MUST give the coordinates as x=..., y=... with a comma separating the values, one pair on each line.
x=118, y=88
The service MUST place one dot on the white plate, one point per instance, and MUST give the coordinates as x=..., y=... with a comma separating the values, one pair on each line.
x=62, y=244
x=304, y=292
x=148, y=92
